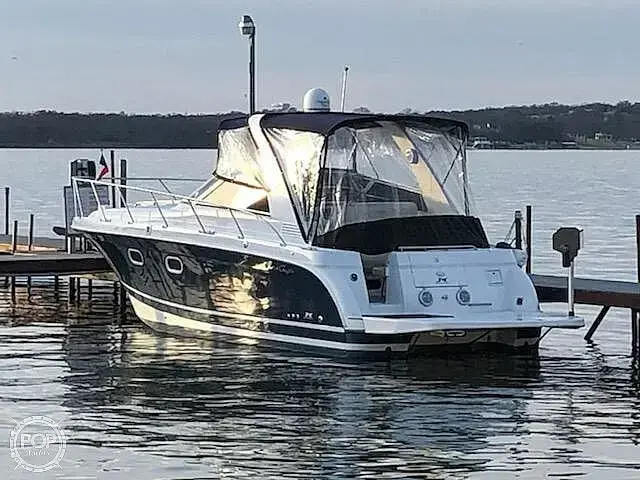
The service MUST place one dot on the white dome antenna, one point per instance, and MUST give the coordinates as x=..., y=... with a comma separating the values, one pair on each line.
x=316, y=100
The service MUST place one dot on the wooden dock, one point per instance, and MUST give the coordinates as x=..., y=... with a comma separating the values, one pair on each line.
x=39, y=243
x=589, y=291
x=52, y=263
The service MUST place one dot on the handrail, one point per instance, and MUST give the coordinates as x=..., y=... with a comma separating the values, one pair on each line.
x=191, y=201
x=161, y=180
x=100, y=207
x=167, y=179
x=155, y=202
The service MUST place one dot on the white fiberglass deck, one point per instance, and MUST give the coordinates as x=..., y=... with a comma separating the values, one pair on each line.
x=495, y=320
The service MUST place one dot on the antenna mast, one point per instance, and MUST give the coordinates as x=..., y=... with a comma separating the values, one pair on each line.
x=344, y=87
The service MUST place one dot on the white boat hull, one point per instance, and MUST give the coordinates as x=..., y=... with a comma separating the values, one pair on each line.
x=318, y=299
x=496, y=336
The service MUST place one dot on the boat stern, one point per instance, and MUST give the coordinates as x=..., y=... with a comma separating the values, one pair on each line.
x=454, y=296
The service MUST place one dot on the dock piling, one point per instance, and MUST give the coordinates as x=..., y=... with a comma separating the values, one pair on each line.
x=13, y=289
x=72, y=289
x=30, y=246
x=635, y=315
x=123, y=181
x=635, y=326
x=517, y=221
x=78, y=289
x=7, y=194
x=14, y=238
x=528, y=236
x=123, y=300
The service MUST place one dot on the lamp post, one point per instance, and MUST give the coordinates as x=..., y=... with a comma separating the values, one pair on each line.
x=248, y=29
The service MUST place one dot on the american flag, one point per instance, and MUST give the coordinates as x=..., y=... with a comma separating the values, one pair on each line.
x=103, y=163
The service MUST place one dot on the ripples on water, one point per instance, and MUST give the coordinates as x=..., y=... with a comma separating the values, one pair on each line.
x=136, y=404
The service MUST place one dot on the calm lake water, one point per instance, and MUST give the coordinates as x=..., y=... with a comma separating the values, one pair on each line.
x=134, y=404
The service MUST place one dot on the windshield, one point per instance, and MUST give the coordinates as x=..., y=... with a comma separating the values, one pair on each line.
x=237, y=181
x=372, y=170
x=299, y=155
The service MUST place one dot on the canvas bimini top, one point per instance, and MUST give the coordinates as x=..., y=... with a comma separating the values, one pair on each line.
x=345, y=168
x=326, y=122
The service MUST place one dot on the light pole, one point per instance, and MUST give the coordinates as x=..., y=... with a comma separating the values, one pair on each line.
x=248, y=29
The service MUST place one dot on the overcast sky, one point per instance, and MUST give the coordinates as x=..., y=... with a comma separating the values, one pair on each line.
x=188, y=56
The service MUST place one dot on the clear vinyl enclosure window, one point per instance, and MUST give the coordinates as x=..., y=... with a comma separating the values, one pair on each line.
x=388, y=170
x=237, y=180
x=371, y=170
x=238, y=158
x=299, y=154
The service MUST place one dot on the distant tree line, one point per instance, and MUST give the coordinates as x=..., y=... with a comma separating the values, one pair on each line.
x=553, y=122
x=534, y=124
x=46, y=129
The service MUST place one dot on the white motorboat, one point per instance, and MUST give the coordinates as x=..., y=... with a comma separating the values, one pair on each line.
x=334, y=232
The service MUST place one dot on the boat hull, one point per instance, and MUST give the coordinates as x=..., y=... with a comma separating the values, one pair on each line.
x=248, y=298
x=175, y=320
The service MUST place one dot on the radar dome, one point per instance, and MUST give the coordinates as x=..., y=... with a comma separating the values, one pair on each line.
x=316, y=100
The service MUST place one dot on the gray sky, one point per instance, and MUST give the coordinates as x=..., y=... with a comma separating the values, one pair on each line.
x=188, y=56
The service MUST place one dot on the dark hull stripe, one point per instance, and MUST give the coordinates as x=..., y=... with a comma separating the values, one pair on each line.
x=347, y=354
x=265, y=325
x=288, y=348
x=221, y=280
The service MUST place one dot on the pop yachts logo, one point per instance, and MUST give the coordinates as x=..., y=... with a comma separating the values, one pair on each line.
x=37, y=444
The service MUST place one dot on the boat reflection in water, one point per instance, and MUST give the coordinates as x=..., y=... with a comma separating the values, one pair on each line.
x=248, y=409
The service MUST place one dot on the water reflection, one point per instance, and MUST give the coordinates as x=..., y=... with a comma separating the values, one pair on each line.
x=255, y=408
x=140, y=402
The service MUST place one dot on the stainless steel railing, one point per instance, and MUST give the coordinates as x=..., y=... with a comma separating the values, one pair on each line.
x=192, y=202
x=162, y=181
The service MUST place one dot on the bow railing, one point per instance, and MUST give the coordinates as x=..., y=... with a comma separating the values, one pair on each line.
x=91, y=195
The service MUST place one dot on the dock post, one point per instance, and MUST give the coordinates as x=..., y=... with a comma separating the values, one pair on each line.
x=517, y=221
x=123, y=300
x=7, y=194
x=123, y=181
x=72, y=289
x=634, y=333
x=528, y=235
x=30, y=232
x=112, y=156
x=635, y=315
x=90, y=288
x=13, y=289
x=14, y=238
